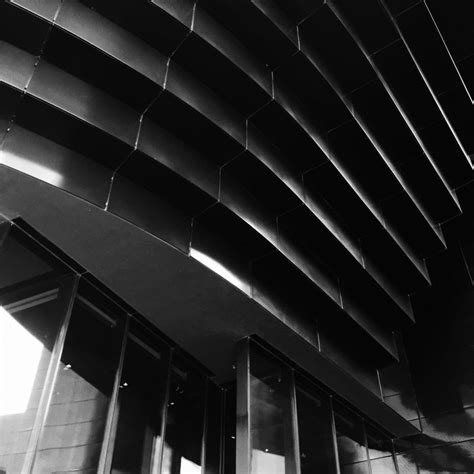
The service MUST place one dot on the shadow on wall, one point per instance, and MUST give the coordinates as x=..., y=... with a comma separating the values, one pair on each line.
x=440, y=350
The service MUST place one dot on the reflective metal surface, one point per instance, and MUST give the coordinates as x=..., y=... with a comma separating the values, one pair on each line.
x=199, y=108
x=331, y=140
x=87, y=384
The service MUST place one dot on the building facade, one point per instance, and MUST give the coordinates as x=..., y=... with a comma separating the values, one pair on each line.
x=237, y=236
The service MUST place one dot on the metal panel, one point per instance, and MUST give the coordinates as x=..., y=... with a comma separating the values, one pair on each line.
x=43, y=159
x=174, y=154
x=214, y=145
x=181, y=10
x=153, y=196
x=115, y=41
x=167, y=286
x=150, y=212
x=229, y=46
x=205, y=101
x=85, y=102
x=99, y=69
x=70, y=132
x=23, y=29
x=9, y=99
x=45, y=9
x=16, y=66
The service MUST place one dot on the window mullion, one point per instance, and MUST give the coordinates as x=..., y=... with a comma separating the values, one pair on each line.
x=106, y=453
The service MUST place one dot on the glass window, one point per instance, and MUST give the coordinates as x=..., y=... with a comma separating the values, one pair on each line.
x=182, y=451
x=72, y=436
x=230, y=429
x=78, y=394
x=19, y=260
x=383, y=466
x=350, y=436
x=271, y=415
x=356, y=468
x=213, y=428
x=30, y=321
x=317, y=452
x=140, y=404
x=380, y=451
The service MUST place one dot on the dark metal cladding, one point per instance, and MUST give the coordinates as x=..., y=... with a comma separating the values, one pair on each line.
x=306, y=151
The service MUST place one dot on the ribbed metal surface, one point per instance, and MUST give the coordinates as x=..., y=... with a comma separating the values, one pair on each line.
x=303, y=146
